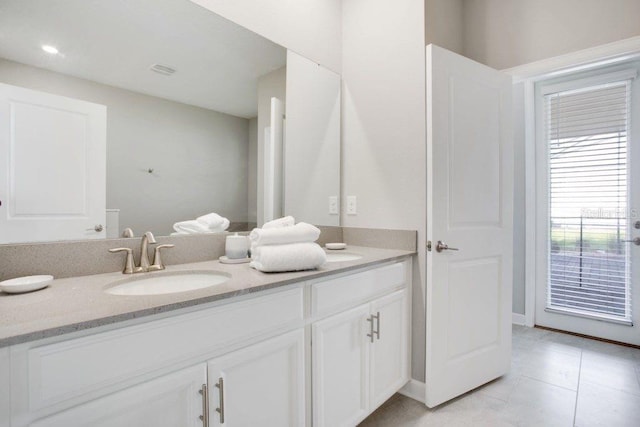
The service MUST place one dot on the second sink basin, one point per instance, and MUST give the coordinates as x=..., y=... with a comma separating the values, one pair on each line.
x=342, y=256
x=167, y=283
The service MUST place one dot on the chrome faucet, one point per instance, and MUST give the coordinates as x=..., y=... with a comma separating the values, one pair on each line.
x=145, y=265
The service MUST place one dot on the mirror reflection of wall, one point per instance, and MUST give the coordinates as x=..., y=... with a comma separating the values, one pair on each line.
x=179, y=145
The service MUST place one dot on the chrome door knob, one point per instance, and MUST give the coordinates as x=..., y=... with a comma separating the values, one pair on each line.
x=444, y=247
x=98, y=228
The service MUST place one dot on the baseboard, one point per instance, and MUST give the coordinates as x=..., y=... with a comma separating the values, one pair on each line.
x=416, y=390
x=518, y=319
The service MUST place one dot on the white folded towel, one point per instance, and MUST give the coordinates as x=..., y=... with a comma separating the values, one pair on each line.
x=212, y=220
x=286, y=221
x=289, y=257
x=299, y=233
x=195, y=226
x=190, y=227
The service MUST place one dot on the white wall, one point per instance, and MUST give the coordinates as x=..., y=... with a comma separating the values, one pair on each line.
x=199, y=156
x=252, y=175
x=270, y=85
x=312, y=148
x=506, y=33
x=308, y=27
x=443, y=24
x=383, y=71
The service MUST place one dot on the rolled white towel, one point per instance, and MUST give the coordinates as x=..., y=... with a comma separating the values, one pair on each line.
x=220, y=228
x=289, y=257
x=212, y=220
x=191, y=227
x=299, y=233
x=286, y=221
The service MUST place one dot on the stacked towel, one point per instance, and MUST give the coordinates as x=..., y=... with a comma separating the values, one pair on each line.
x=210, y=223
x=287, y=221
x=283, y=246
x=299, y=233
x=289, y=257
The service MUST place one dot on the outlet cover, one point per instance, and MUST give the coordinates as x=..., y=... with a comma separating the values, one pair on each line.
x=352, y=208
x=333, y=205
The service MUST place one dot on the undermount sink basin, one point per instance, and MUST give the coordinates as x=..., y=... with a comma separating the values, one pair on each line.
x=166, y=283
x=342, y=256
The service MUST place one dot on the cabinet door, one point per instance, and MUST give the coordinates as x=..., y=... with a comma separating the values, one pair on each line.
x=261, y=385
x=390, y=349
x=168, y=401
x=340, y=359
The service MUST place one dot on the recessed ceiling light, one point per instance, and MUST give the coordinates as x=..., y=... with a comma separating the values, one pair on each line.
x=50, y=49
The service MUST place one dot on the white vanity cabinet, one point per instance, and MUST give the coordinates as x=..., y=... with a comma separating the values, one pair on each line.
x=169, y=401
x=261, y=385
x=252, y=360
x=360, y=356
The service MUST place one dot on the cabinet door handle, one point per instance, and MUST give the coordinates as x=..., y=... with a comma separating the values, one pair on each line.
x=205, y=406
x=377, y=330
x=371, y=331
x=220, y=409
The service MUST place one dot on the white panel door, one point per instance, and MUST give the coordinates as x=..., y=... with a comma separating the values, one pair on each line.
x=169, y=401
x=390, y=349
x=340, y=372
x=469, y=208
x=273, y=179
x=52, y=167
x=312, y=151
x=261, y=385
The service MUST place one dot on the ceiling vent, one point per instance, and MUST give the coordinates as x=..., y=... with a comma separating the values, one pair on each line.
x=162, y=69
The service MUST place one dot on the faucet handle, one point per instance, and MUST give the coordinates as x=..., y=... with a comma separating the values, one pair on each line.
x=157, y=259
x=128, y=265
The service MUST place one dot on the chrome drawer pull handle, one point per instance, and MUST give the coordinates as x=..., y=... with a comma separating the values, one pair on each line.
x=377, y=331
x=205, y=406
x=371, y=333
x=220, y=410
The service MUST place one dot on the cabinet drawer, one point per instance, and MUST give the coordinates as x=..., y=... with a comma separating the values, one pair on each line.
x=74, y=368
x=342, y=292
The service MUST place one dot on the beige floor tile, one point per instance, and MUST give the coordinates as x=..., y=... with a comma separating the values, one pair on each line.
x=501, y=388
x=536, y=403
x=611, y=371
x=471, y=409
x=603, y=406
x=558, y=368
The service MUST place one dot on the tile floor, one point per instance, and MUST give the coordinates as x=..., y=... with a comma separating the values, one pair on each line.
x=555, y=380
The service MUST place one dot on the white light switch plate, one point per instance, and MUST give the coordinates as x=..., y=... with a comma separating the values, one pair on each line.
x=352, y=208
x=333, y=205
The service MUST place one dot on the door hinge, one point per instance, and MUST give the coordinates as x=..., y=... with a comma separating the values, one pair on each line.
x=429, y=245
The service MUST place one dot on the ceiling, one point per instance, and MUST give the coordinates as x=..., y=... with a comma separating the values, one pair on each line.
x=114, y=42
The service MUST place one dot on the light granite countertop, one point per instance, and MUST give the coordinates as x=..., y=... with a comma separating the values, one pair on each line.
x=79, y=303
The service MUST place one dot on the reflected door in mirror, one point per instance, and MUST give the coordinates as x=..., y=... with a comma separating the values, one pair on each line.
x=53, y=153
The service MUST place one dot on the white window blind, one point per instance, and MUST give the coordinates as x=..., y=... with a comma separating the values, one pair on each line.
x=586, y=132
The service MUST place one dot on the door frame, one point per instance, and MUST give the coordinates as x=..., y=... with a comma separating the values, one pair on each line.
x=528, y=75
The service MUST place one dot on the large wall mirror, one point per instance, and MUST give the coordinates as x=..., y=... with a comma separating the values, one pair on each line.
x=141, y=114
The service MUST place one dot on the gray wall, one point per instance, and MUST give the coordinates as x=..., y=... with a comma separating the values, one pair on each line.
x=252, y=184
x=383, y=130
x=443, y=24
x=199, y=156
x=507, y=33
x=518, y=201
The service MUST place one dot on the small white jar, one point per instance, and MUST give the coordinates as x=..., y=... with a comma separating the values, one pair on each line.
x=237, y=247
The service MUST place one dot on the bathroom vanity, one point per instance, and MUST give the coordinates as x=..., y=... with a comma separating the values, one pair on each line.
x=321, y=348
